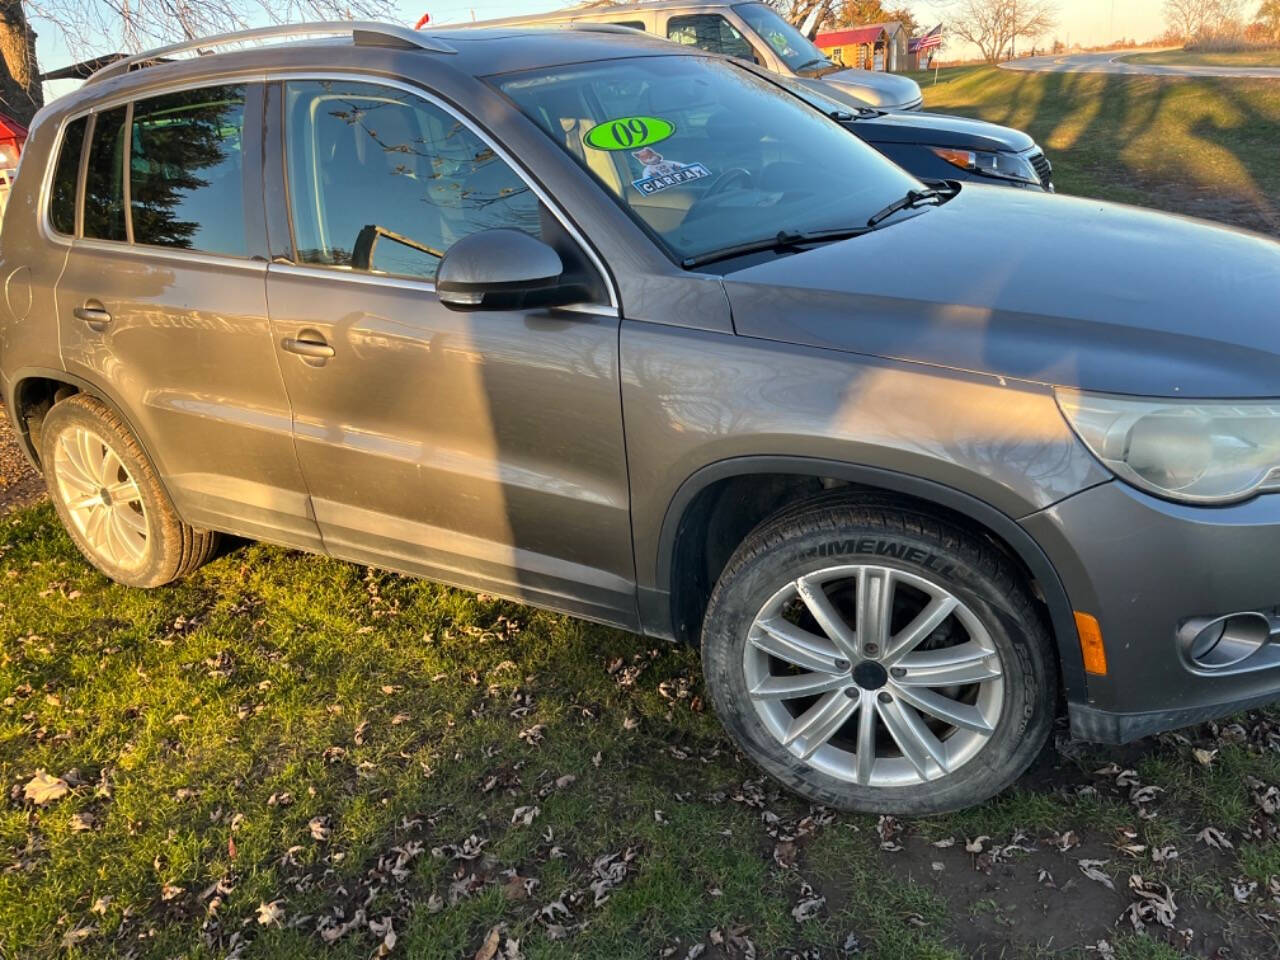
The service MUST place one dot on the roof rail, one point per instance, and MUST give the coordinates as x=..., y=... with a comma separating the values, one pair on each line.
x=588, y=26
x=362, y=33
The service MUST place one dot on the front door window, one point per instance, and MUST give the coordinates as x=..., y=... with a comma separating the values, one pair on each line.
x=710, y=32
x=381, y=181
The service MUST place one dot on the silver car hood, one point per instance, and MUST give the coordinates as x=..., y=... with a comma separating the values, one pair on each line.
x=887, y=91
x=1059, y=290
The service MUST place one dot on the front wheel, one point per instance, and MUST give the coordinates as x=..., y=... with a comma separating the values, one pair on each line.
x=878, y=659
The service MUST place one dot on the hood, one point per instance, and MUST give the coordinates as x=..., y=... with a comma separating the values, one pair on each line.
x=1051, y=289
x=940, y=130
x=888, y=91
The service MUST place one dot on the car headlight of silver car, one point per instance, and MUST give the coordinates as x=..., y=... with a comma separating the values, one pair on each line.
x=1006, y=166
x=1196, y=451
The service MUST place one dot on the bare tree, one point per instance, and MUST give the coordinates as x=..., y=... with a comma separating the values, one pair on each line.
x=1269, y=16
x=995, y=26
x=106, y=26
x=20, y=91
x=1191, y=18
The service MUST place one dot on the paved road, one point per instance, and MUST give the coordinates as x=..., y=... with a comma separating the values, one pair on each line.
x=1110, y=61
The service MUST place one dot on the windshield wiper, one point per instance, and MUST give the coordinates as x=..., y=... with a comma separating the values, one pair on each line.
x=816, y=62
x=782, y=240
x=914, y=198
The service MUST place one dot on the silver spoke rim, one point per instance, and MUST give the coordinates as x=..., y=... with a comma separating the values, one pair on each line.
x=812, y=729
x=815, y=598
x=799, y=647
x=102, y=499
x=874, y=675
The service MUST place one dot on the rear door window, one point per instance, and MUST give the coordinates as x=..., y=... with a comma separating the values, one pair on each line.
x=104, y=212
x=710, y=32
x=186, y=170
x=66, y=176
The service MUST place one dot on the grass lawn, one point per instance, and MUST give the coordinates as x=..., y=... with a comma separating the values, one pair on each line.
x=1204, y=147
x=1269, y=57
x=286, y=756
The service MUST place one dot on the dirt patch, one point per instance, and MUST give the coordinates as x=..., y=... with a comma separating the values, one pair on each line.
x=19, y=484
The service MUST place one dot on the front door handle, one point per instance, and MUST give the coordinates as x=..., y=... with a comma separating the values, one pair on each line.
x=309, y=344
x=94, y=314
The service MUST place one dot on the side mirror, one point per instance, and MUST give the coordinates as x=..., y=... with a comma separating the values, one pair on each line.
x=503, y=270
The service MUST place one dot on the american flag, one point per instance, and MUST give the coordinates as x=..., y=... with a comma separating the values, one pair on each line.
x=930, y=40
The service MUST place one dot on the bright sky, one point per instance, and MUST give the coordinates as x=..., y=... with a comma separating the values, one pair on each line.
x=1084, y=21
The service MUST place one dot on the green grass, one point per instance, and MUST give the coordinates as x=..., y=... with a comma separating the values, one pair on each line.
x=394, y=709
x=1203, y=147
x=1262, y=57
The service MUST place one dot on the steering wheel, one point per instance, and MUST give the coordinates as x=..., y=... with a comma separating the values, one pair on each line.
x=718, y=186
x=721, y=183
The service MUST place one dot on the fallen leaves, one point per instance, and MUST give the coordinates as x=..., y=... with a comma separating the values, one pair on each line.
x=43, y=788
x=524, y=816
x=811, y=903
x=499, y=946
x=608, y=872
x=1090, y=869
x=1154, y=904
x=533, y=735
x=1215, y=838
x=271, y=914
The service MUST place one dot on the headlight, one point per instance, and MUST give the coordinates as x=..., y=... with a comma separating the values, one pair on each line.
x=1006, y=166
x=1197, y=451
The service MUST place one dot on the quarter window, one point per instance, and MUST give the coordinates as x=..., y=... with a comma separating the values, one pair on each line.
x=66, y=176
x=633, y=24
x=186, y=176
x=104, y=213
x=382, y=181
x=710, y=32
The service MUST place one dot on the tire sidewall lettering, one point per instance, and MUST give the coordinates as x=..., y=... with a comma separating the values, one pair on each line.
x=883, y=548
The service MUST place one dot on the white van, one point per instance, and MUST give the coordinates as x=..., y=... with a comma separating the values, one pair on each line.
x=752, y=31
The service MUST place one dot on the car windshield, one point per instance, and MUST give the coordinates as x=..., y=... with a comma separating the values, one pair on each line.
x=785, y=40
x=704, y=153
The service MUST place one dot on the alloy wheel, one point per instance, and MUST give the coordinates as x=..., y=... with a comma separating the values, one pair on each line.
x=873, y=675
x=101, y=497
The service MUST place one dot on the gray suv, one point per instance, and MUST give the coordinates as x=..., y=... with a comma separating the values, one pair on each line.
x=628, y=332
x=751, y=31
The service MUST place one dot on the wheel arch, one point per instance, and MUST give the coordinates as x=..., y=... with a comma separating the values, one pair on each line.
x=19, y=399
x=665, y=610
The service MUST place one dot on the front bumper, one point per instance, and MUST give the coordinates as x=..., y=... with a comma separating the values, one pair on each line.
x=1145, y=568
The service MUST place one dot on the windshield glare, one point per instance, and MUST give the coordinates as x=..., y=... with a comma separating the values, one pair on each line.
x=785, y=40
x=704, y=153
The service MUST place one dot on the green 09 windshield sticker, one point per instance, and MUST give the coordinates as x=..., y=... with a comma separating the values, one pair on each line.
x=629, y=133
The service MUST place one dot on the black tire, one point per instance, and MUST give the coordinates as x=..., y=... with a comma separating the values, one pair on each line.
x=173, y=549
x=830, y=531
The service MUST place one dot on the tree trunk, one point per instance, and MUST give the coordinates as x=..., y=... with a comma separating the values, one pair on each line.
x=20, y=91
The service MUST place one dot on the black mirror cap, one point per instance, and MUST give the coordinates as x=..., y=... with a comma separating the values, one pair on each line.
x=503, y=270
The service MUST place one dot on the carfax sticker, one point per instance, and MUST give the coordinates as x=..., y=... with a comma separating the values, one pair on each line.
x=660, y=174
x=628, y=133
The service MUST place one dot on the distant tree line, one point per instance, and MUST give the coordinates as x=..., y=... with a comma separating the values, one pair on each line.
x=1221, y=24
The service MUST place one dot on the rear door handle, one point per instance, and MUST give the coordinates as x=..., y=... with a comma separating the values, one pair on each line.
x=310, y=345
x=94, y=314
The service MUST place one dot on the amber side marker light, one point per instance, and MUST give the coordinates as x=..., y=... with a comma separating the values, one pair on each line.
x=1095, y=655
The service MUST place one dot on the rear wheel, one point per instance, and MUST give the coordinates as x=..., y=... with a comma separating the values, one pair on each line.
x=110, y=500
x=878, y=659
